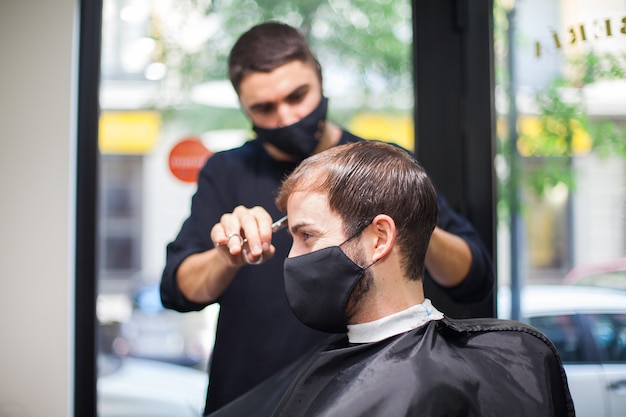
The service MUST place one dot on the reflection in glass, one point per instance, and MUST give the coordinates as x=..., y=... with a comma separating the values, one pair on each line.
x=563, y=332
x=609, y=332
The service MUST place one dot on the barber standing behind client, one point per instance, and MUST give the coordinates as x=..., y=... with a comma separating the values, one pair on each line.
x=356, y=267
x=226, y=252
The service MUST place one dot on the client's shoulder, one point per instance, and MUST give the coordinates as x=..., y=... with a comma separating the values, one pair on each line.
x=490, y=327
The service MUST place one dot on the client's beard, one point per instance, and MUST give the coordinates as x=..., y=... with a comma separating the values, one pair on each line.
x=362, y=287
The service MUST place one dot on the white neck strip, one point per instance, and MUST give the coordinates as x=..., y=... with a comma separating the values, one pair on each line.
x=401, y=322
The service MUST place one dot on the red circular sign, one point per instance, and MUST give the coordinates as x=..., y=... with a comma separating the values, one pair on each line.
x=187, y=157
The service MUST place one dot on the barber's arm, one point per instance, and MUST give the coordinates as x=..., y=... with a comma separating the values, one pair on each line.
x=202, y=261
x=448, y=258
x=457, y=259
x=202, y=277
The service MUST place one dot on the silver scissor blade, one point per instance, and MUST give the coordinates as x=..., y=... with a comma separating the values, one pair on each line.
x=279, y=224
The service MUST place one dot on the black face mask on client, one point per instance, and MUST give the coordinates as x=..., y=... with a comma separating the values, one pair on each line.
x=318, y=285
x=299, y=139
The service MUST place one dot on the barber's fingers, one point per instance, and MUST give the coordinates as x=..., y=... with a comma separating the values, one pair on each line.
x=258, y=260
x=248, y=228
x=221, y=233
x=229, y=247
x=256, y=228
x=238, y=255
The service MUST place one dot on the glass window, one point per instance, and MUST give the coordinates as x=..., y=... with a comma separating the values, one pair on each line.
x=565, y=335
x=609, y=333
x=118, y=253
x=560, y=100
x=120, y=226
x=167, y=105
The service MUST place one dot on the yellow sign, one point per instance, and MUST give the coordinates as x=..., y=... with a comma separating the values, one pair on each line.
x=396, y=129
x=128, y=133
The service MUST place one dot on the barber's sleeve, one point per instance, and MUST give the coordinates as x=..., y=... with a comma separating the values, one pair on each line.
x=207, y=206
x=479, y=281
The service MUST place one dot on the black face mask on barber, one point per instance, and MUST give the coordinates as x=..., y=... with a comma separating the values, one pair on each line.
x=299, y=139
x=318, y=285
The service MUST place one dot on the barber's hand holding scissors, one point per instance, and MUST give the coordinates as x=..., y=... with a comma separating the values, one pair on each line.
x=245, y=235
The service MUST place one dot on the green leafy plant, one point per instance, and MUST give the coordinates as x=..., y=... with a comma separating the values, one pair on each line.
x=566, y=130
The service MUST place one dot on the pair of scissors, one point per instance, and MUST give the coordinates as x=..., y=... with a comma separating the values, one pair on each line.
x=276, y=226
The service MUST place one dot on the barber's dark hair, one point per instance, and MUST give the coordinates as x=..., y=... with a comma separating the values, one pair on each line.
x=368, y=178
x=265, y=47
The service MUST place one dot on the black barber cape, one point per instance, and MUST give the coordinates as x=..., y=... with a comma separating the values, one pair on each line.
x=476, y=367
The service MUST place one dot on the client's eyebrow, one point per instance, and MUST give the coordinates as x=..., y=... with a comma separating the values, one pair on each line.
x=294, y=229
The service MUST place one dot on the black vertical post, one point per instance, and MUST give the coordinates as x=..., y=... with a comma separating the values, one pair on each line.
x=514, y=171
x=85, y=347
x=454, y=116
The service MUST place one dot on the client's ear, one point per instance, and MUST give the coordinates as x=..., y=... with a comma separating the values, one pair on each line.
x=383, y=236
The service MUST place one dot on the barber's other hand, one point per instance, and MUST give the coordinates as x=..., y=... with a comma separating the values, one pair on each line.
x=244, y=236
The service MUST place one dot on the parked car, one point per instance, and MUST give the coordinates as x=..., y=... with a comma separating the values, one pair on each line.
x=610, y=273
x=153, y=332
x=588, y=327
x=130, y=387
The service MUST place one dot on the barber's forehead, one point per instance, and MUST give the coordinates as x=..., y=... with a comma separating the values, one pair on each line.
x=283, y=79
